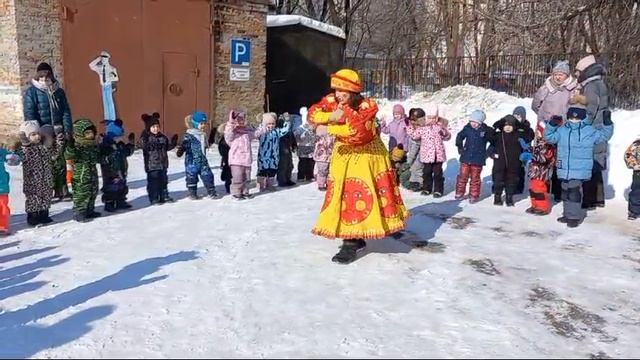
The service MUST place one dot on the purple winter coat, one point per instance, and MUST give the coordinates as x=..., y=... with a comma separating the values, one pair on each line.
x=397, y=131
x=239, y=141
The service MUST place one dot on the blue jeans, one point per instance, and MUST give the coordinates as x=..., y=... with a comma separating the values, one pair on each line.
x=107, y=102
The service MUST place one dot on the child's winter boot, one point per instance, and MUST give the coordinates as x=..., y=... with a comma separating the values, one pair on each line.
x=509, y=200
x=93, y=214
x=33, y=219
x=166, y=197
x=212, y=194
x=110, y=206
x=262, y=183
x=45, y=218
x=193, y=194
x=271, y=183
x=497, y=200
x=81, y=218
x=632, y=216
x=573, y=223
x=123, y=205
x=413, y=186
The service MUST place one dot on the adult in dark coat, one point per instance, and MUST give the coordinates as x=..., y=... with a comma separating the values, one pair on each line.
x=591, y=80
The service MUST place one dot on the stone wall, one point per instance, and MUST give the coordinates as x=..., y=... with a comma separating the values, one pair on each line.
x=30, y=34
x=239, y=19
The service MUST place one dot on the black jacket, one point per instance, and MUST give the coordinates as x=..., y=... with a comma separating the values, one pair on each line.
x=154, y=151
x=523, y=128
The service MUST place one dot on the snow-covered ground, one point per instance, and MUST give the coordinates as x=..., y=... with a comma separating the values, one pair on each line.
x=228, y=279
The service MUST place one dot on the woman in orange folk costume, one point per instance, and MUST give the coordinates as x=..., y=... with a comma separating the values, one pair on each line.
x=363, y=199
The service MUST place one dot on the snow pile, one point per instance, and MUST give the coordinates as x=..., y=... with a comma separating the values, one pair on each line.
x=457, y=102
x=287, y=20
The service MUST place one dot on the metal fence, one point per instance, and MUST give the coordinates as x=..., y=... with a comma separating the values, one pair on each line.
x=518, y=75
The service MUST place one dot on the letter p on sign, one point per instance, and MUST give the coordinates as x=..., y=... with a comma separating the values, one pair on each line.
x=240, y=52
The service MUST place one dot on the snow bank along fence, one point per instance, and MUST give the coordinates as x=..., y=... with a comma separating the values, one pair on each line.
x=518, y=75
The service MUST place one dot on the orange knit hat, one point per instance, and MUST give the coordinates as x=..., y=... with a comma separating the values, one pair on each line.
x=346, y=80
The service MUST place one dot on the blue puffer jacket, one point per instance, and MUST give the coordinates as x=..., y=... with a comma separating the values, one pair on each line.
x=472, y=144
x=194, y=148
x=575, y=147
x=37, y=106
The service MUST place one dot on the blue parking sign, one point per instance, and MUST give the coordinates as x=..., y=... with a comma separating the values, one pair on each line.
x=240, y=52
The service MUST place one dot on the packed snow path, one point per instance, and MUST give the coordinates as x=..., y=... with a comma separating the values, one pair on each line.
x=220, y=278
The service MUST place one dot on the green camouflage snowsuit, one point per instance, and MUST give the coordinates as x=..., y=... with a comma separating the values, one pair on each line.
x=85, y=154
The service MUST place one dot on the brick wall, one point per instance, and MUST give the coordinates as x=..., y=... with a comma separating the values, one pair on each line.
x=239, y=19
x=31, y=33
x=39, y=37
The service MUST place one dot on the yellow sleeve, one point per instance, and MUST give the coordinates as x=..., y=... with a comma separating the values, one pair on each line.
x=320, y=117
x=340, y=130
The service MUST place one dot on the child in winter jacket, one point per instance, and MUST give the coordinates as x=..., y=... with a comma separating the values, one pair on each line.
x=322, y=155
x=398, y=158
x=155, y=146
x=416, y=118
x=194, y=148
x=432, y=151
x=505, y=150
x=632, y=158
x=85, y=153
x=472, y=142
x=223, y=150
x=58, y=163
x=286, y=149
x=269, y=151
x=8, y=156
x=114, y=166
x=37, y=168
x=576, y=140
x=239, y=136
x=153, y=176
x=396, y=128
x=306, y=140
x=542, y=158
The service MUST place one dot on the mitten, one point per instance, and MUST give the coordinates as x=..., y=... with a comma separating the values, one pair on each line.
x=460, y=150
x=12, y=160
x=525, y=157
x=132, y=138
x=174, y=141
x=523, y=144
x=556, y=120
x=606, y=118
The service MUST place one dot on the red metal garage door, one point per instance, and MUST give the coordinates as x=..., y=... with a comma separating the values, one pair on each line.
x=139, y=34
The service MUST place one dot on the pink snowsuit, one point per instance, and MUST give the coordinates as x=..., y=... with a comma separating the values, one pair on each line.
x=240, y=154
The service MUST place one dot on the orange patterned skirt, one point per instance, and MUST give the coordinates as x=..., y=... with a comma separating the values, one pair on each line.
x=363, y=198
